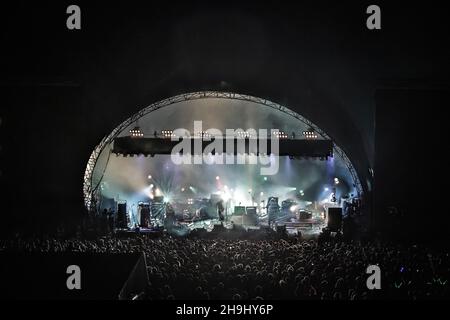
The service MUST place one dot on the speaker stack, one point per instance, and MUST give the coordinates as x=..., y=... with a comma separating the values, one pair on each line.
x=121, y=221
x=250, y=218
x=334, y=223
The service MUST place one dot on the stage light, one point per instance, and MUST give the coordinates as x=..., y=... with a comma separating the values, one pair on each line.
x=151, y=186
x=243, y=134
x=167, y=133
x=265, y=178
x=182, y=189
x=217, y=178
x=261, y=194
x=149, y=177
x=292, y=208
x=225, y=196
x=336, y=181
x=238, y=197
x=158, y=192
x=136, y=132
x=280, y=134
x=326, y=189
x=310, y=134
x=202, y=134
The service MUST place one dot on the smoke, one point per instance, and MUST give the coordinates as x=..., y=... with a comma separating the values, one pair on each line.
x=127, y=177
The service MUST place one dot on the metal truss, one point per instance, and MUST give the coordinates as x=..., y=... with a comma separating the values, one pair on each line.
x=90, y=191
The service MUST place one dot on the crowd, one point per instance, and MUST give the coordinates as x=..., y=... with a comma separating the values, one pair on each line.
x=188, y=268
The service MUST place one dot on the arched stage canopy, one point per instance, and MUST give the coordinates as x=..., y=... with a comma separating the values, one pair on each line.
x=221, y=110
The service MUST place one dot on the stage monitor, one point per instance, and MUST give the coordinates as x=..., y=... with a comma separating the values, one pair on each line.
x=239, y=210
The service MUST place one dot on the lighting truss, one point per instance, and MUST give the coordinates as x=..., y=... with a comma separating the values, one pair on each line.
x=90, y=191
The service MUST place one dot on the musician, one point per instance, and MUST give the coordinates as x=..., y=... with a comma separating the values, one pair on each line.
x=273, y=210
x=220, y=210
x=169, y=220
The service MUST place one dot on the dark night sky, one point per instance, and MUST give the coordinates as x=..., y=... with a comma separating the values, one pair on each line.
x=319, y=59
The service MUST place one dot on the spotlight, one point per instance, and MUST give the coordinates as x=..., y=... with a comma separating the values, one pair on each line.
x=202, y=134
x=136, y=132
x=292, y=208
x=217, y=178
x=265, y=178
x=182, y=189
x=280, y=135
x=167, y=133
x=336, y=181
x=244, y=134
x=225, y=196
x=149, y=177
x=326, y=189
x=310, y=134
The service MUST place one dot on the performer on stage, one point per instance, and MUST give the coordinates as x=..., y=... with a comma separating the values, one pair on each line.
x=273, y=210
x=220, y=210
x=169, y=220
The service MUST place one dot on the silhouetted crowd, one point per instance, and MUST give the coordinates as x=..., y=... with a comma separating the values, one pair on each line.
x=186, y=268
